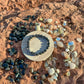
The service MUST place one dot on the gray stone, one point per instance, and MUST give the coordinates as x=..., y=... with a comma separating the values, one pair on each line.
x=74, y=54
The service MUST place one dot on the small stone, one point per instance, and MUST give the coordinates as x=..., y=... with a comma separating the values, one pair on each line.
x=50, y=27
x=41, y=19
x=50, y=80
x=64, y=23
x=67, y=73
x=7, y=69
x=35, y=72
x=41, y=82
x=72, y=48
x=35, y=77
x=12, y=80
x=56, y=74
x=31, y=70
x=43, y=77
x=66, y=64
x=46, y=75
x=58, y=39
x=65, y=55
x=49, y=20
x=1, y=65
x=54, y=77
x=5, y=65
x=71, y=43
x=79, y=40
x=60, y=44
x=67, y=50
x=46, y=64
x=74, y=54
x=37, y=28
x=51, y=71
x=58, y=71
x=72, y=66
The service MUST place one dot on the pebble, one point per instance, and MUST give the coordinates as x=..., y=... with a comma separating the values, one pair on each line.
x=49, y=20
x=72, y=66
x=60, y=44
x=51, y=71
x=35, y=77
x=72, y=48
x=50, y=80
x=41, y=19
x=66, y=64
x=41, y=82
x=79, y=40
x=43, y=77
x=58, y=71
x=54, y=77
x=65, y=55
x=31, y=70
x=71, y=43
x=74, y=54
x=67, y=50
x=46, y=64
x=37, y=28
x=64, y=23
x=50, y=27
x=67, y=73
x=58, y=39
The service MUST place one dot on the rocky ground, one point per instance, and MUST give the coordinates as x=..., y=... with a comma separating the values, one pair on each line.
x=13, y=11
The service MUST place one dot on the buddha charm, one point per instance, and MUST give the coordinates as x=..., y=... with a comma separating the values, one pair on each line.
x=37, y=36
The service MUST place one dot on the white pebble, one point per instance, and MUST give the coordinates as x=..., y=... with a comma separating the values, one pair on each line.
x=79, y=40
x=74, y=54
x=49, y=20
x=51, y=71
x=72, y=66
x=57, y=70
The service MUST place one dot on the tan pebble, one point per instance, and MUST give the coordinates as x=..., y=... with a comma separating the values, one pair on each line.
x=43, y=77
x=60, y=44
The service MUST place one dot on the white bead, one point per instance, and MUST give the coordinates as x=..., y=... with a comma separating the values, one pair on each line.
x=51, y=71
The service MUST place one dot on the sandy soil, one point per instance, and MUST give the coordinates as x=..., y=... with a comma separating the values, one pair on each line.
x=13, y=11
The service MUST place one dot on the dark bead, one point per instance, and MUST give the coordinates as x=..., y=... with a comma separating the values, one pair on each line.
x=33, y=17
x=46, y=74
x=20, y=61
x=23, y=72
x=11, y=34
x=11, y=67
x=17, y=79
x=12, y=80
x=12, y=62
x=29, y=16
x=21, y=66
x=5, y=65
x=14, y=50
x=11, y=43
x=35, y=72
x=41, y=82
x=31, y=24
x=11, y=38
x=35, y=77
x=16, y=71
x=11, y=53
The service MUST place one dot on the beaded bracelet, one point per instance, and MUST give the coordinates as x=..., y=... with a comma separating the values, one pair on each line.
x=33, y=53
